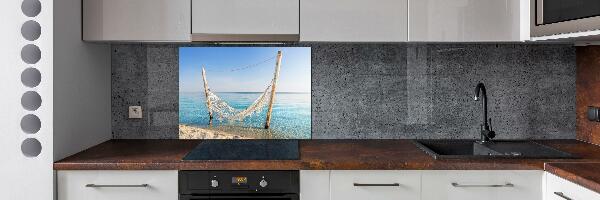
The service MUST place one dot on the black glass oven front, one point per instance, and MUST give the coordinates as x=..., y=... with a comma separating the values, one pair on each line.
x=241, y=197
x=238, y=185
x=554, y=11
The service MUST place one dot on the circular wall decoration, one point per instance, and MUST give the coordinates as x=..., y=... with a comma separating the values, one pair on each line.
x=31, y=30
x=31, y=8
x=31, y=147
x=31, y=100
x=30, y=124
x=31, y=77
x=31, y=54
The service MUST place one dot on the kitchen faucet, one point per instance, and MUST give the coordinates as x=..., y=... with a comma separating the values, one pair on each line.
x=487, y=134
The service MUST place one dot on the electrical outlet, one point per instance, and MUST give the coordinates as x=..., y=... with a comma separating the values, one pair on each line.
x=135, y=112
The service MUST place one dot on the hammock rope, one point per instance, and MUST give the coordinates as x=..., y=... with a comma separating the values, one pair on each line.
x=223, y=110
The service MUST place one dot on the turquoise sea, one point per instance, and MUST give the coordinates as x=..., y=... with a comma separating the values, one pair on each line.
x=291, y=117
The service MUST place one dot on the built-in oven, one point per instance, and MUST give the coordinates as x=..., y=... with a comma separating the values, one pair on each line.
x=236, y=185
x=552, y=17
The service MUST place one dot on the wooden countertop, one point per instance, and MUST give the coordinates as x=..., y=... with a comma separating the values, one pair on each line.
x=584, y=174
x=331, y=155
x=129, y=155
x=314, y=155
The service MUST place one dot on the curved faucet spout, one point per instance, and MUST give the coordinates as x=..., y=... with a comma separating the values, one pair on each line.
x=486, y=133
x=481, y=88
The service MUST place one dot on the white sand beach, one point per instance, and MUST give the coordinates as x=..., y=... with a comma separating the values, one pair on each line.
x=227, y=132
x=190, y=132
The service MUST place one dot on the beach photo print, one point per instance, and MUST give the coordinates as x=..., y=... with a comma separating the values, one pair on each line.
x=244, y=93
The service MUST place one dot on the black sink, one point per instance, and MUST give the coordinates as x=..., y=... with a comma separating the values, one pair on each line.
x=470, y=149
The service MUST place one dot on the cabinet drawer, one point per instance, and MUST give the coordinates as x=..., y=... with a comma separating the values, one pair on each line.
x=375, y=185
x=117, y=185
x=560, y=189
x=477, y=185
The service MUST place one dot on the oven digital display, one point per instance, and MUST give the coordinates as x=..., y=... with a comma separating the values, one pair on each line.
x=239, y=180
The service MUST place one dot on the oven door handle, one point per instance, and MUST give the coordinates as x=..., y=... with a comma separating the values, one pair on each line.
x=376, y=184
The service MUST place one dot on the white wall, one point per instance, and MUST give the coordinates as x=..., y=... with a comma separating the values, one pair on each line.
x=82, y=110
x=79, y=93
x=21, y=177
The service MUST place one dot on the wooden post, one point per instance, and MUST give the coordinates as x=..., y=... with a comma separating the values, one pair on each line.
x=206, y=96
x=272, y=99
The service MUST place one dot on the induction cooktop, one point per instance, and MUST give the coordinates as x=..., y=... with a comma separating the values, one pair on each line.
x=245, y=150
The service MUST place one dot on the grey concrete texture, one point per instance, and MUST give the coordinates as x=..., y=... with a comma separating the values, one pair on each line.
x=147, y=76
x=383, y=91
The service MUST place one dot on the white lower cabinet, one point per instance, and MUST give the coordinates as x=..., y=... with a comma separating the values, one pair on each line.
x=117, y=185
x=314, y=184
x=421, y=185
x=375, y=185
x=341, y=185
x=560, y=189
x=482, y=185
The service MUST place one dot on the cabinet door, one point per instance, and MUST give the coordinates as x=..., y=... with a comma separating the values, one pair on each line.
x=136, y=20
x=117, y=185
x=314, y=185
x=215, y=20
x=354, y=20
x=375, y=185
x=478, y=185
x=468, y=20
x=560, y=189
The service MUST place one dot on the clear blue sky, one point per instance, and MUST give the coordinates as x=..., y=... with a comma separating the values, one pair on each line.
x=219, y=61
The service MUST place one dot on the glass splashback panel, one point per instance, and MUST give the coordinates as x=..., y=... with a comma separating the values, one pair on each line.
x=244, y=93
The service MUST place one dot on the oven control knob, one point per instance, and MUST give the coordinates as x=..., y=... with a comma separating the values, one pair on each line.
x=214, y=183
x=263, y=183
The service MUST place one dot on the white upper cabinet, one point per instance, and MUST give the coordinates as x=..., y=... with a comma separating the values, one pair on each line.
x=245, y=20
x=136, y=20
x=307, y=20
x=469, y=20
x=354, y=20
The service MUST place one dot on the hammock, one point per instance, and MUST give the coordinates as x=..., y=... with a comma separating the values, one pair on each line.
x=220, y=108
x=224, y=111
